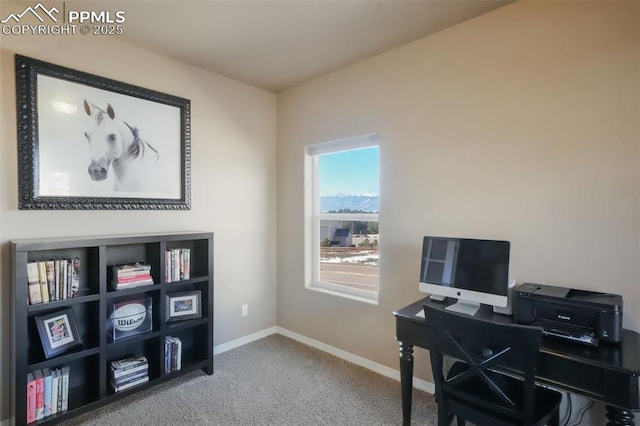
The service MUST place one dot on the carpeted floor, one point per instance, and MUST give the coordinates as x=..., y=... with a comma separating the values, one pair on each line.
x=273, y=381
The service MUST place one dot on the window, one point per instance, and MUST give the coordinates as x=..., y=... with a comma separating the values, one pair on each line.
x=341, y=212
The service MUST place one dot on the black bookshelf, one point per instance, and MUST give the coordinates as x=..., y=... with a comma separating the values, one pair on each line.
x=89, y=386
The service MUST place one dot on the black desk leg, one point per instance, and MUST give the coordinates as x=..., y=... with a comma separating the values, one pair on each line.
x=406, y=380
x=619, y=417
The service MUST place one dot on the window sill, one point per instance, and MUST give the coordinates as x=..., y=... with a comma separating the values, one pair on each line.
x=366, y=297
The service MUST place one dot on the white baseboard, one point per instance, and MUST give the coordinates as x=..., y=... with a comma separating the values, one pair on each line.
x=5, y=422
x=242, y=341
x=356, y=359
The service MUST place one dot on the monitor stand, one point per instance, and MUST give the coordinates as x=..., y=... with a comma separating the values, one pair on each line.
x=464, y=307
x=437, y=298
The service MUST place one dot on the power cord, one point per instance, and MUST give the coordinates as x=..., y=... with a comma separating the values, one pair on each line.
x=587, y=408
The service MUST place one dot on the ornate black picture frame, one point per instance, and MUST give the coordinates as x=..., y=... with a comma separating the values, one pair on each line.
x=58, y=332
x=89, y=142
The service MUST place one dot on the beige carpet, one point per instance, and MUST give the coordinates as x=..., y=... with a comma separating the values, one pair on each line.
x=273, y=381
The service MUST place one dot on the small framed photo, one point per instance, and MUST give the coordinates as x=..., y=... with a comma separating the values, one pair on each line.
x=58, y=332
x=182, y=306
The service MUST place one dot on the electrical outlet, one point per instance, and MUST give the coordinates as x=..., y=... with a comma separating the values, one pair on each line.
x=245, y=310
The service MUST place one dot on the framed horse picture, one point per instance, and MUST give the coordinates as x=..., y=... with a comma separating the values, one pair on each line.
x=88, y=142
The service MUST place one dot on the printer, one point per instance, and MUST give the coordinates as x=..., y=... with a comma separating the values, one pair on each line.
x=581, y=316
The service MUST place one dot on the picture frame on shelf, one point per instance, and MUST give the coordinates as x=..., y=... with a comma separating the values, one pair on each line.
x=183, y=306
x=58, y=332
x=89, y=142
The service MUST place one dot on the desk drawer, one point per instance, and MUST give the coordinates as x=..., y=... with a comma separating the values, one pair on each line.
x=609, y=386
x=413, y=333
x=622, y=390
x=583, y=379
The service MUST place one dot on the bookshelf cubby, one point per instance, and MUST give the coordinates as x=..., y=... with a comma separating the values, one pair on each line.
x=89, y=386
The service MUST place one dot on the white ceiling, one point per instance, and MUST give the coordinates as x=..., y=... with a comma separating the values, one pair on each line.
x=278, y=44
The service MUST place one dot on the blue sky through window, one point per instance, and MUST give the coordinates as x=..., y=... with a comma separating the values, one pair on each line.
x=355, y=172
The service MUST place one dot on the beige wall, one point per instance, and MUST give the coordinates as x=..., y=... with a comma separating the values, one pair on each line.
x=521, y=124
x=233, y=178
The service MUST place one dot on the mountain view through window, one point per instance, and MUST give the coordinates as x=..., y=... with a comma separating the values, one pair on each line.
x=348, y=204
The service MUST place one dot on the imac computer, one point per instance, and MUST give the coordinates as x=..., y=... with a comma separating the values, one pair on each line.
x=473, y=271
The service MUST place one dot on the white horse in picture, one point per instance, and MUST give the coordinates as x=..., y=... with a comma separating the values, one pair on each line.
x=116, y=146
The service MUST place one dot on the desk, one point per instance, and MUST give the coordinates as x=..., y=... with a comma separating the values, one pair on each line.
x=609, y=373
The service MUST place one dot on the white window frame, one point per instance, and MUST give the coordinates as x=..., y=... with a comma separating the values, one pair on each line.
x=313, y=218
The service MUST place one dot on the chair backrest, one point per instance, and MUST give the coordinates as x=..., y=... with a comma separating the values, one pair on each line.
x=484, y=344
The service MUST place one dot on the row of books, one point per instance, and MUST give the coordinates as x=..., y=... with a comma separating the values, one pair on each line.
x=128, y=372
x=131, y=275
x=53, y=280
x=177, y=264
x=172, y=354
x=47, y=393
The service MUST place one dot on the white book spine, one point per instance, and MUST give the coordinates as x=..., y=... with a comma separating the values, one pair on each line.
x=55, y=389
x=63, y=276
x=33, y=283
x=187, y=264
x=65, y=388
x=44, y=288
x=48, y=385
x=179, y=354
x=176, y=271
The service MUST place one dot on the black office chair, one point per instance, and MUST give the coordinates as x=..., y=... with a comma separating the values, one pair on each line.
x=473, y=390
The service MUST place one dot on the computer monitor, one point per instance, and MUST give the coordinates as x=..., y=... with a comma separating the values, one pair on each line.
x=473, y=271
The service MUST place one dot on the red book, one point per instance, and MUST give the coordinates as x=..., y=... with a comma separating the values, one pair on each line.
x=31, y=398
x=39, y=394
x=133, y=278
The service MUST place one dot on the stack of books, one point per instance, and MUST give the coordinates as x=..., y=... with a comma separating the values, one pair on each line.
x=47, y=393
x=53, y=280
x=128, y=372
x=177, y=264
x=131, y=275
x=172, y=354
